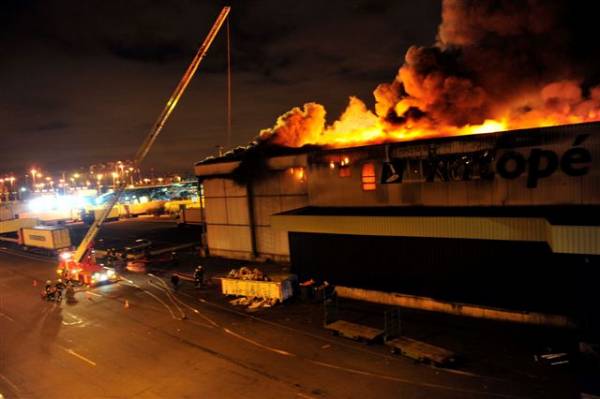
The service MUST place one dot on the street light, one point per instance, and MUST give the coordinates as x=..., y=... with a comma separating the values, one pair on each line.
x=33, y=174
x=114, y=177
x=12, y=186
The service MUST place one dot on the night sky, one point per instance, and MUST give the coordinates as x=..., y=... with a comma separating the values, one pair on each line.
x=82, y=81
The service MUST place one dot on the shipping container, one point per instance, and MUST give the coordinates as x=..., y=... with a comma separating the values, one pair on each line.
x=190, y=216
x=45, y=237
x=14, y=225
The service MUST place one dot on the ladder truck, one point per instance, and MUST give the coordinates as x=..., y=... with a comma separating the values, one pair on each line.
x=80, y=265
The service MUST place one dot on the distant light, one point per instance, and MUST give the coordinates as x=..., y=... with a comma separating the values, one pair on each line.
x=23, y=189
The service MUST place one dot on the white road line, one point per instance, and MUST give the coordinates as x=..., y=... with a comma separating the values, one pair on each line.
x=348, y=369
x=72, y=323
x=7, y=317
x=93, y=293
x=10, y=384
x=253, y=342
x=77, y=355
x=166, y=291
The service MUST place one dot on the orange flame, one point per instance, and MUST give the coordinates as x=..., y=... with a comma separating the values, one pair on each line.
x=557, y=104
x=495, y=66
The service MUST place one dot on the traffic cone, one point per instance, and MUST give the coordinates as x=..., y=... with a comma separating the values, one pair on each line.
x=126, y=304
x=35, y=283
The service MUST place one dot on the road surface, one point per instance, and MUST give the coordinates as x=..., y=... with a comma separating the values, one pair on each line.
x=136, y=339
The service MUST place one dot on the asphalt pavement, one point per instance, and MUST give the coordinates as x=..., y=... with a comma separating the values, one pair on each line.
x=139, y=339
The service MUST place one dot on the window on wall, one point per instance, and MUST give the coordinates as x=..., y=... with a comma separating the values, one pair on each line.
x=345, y=167
x=368, y=179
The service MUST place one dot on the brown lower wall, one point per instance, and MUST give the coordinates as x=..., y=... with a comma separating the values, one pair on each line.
x=458, y=309
x=245, y=255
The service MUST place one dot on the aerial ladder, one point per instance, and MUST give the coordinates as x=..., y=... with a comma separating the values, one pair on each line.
x=80, y=265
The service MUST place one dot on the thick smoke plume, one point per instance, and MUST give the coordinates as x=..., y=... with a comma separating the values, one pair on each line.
x=496, y=65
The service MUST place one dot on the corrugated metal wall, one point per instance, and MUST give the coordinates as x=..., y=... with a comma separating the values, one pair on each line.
x=228, y=219
x=583, y=240
x=280, y=192
x=227, y=226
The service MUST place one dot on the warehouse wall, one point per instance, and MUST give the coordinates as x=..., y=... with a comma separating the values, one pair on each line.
x=282, y=191
x=229, y=233
x=227, y=221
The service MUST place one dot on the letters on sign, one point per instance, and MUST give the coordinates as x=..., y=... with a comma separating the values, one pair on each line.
x=539, y=163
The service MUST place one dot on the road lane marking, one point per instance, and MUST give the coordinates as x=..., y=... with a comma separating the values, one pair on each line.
x=347, y=369
x=72, y=323
x=412, y=382
x=250, y=341
x=7, y=317
x=77, y=355
x=11, y=384
x=300, y=394
x=208, y=319
x=169, y=295
x=93, y=293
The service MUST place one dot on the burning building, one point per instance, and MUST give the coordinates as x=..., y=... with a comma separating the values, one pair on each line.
x=505, y=219
x=474, y=179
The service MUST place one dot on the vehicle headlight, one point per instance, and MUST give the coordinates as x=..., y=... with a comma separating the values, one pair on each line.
x=110, y=273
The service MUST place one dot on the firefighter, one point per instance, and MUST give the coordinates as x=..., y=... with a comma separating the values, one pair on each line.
x=49, y=290
x=175, y=281
x=199, y=276
x=70, y=292
x=59, y=287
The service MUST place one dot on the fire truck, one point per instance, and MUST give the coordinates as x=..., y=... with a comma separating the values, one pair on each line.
x=80, y=266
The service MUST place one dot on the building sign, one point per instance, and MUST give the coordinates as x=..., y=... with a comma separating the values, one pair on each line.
x=534, y=162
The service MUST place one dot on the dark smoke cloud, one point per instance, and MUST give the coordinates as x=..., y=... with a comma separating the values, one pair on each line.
x=493, y=58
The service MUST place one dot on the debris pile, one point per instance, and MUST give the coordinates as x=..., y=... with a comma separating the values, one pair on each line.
x=254, y=303
x=245, y=273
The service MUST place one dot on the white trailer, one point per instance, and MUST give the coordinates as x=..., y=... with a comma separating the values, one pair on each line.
x=190, y=216
x=50, y=238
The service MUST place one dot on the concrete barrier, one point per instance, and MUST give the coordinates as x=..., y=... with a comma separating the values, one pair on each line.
x=455, y=308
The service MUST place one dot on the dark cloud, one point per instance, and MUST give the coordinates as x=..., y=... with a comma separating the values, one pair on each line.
x=98, y=72
x=54, y=125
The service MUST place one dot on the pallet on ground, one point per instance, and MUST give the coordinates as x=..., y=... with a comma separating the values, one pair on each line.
x=354, y=331
x=421, y=351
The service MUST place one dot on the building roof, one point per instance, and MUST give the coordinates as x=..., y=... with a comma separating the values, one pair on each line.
x=566, y=215
x=502, y=138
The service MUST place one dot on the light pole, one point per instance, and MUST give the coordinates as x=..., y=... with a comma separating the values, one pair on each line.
x=33, y=173
x=12, y=187
x=99, y=177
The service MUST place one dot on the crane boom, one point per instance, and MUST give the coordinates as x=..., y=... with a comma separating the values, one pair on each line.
x=154, y=132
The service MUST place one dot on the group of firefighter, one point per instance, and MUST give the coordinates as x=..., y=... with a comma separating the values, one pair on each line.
x=54, y=292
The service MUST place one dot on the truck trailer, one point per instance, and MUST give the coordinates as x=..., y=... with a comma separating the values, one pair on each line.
x=46, y=238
